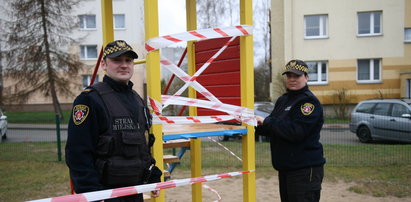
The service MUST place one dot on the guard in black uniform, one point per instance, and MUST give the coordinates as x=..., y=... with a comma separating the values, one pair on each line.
x=108, y=145
x=294, y=130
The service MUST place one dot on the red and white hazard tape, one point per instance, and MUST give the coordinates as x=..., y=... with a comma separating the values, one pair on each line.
x=190, y=80
x=212, y=190
x=126, y=191
x=190, y=119
x=244, y=114
x=164, y=41
x=235, y=112
x=227, y=149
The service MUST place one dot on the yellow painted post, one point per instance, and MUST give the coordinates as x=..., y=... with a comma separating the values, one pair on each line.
x=195, y=143
x=107, y=21
x=247, y=100
x=153, y=81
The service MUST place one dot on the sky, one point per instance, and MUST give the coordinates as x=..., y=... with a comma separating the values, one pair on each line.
x=172, y=16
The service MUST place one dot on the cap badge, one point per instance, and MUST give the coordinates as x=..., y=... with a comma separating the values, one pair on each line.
x=121, y=44
x=293, y=63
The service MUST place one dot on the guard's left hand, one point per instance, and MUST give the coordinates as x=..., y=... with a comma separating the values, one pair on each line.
x=260, y=120
x=155, y=193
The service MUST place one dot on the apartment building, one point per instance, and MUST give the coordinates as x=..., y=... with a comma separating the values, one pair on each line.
x=128, y=22
x=360, y=49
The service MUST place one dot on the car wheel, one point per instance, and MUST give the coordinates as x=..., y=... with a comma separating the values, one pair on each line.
x=221, y=138
x=364, y=134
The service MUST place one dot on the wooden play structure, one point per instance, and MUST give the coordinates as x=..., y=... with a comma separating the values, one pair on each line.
x=194, y=132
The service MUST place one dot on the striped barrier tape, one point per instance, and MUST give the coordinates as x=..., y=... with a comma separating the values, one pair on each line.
x=190, y=80
x=241, y=113
x=227, y=149
x=190, y=119
x=131, y=190
x=164, y=41
x=186, y=78
x=212, y=190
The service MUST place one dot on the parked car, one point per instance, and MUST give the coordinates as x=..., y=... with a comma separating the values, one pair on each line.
x=387, y=119
x=261, y=109
x=3, y=125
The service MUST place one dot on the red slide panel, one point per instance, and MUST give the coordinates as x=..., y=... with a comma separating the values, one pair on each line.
x=222, y=77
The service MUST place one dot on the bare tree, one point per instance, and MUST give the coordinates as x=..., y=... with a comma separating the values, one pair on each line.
x=261, y=83
x=214, y=13
x=1, y=80
x=36, y=56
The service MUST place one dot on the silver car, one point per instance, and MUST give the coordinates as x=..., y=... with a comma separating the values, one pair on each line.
x=387, y=119
x=3, y=126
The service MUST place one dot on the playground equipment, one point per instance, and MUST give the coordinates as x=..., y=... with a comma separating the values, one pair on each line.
x=169, y=132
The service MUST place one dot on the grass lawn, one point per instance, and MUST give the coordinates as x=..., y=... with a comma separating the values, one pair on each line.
x=31, y=170
x=50, y=118
x=36, y=117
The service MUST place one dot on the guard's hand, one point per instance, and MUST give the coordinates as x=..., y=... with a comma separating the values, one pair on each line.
x=260, y=120
x=155, y=193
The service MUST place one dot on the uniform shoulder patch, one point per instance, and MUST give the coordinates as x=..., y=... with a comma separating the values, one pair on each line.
x=80, y=113
x=307, y=108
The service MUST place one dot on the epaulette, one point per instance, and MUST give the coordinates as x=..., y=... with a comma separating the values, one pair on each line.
x=87, y=90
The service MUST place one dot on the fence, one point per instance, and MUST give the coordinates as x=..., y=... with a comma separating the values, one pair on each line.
x=341, y=147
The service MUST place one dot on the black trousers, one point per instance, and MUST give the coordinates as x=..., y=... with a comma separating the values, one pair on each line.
x=131, y=198
x=303, y=185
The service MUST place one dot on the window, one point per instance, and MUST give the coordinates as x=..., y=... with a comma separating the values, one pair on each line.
x=317, y=72
x=88, y=52
x=87, y=80
x=407, y=35
x=369, y=23
x=398, y=110
x=365, y=108
x=382, y=109
x=119, y=21
x=369, y=70
x=315, y=26
x=87, y=21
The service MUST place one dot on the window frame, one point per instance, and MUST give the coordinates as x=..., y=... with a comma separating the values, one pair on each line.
x=371, y=71
x=323, y=22
x=407, y=29
x=371, y=24
x=386, y=106
x=86, y=52
x=369, y=110
x=84, y=20
x=114, y=21
x=87, y=78
x=319, y=64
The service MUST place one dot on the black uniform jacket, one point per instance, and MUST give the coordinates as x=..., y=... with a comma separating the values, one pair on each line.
x=83, y=133
x=294, y=129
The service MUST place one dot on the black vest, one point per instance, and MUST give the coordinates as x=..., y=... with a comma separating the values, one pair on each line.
x=123, y=155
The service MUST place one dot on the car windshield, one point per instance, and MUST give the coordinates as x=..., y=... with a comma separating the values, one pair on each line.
x=265, y=107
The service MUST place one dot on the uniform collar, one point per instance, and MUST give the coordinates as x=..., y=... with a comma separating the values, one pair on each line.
x=295, y=92
x=117, y=86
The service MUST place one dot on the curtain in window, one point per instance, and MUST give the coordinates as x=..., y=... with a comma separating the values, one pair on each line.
x=312, y=24
x=363, y=70
x=364, y=21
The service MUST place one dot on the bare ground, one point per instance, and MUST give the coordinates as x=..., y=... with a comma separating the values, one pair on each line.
x=230, y=190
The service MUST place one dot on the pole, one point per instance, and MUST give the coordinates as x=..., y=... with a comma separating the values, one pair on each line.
x=93, y=77
x=58, y=137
